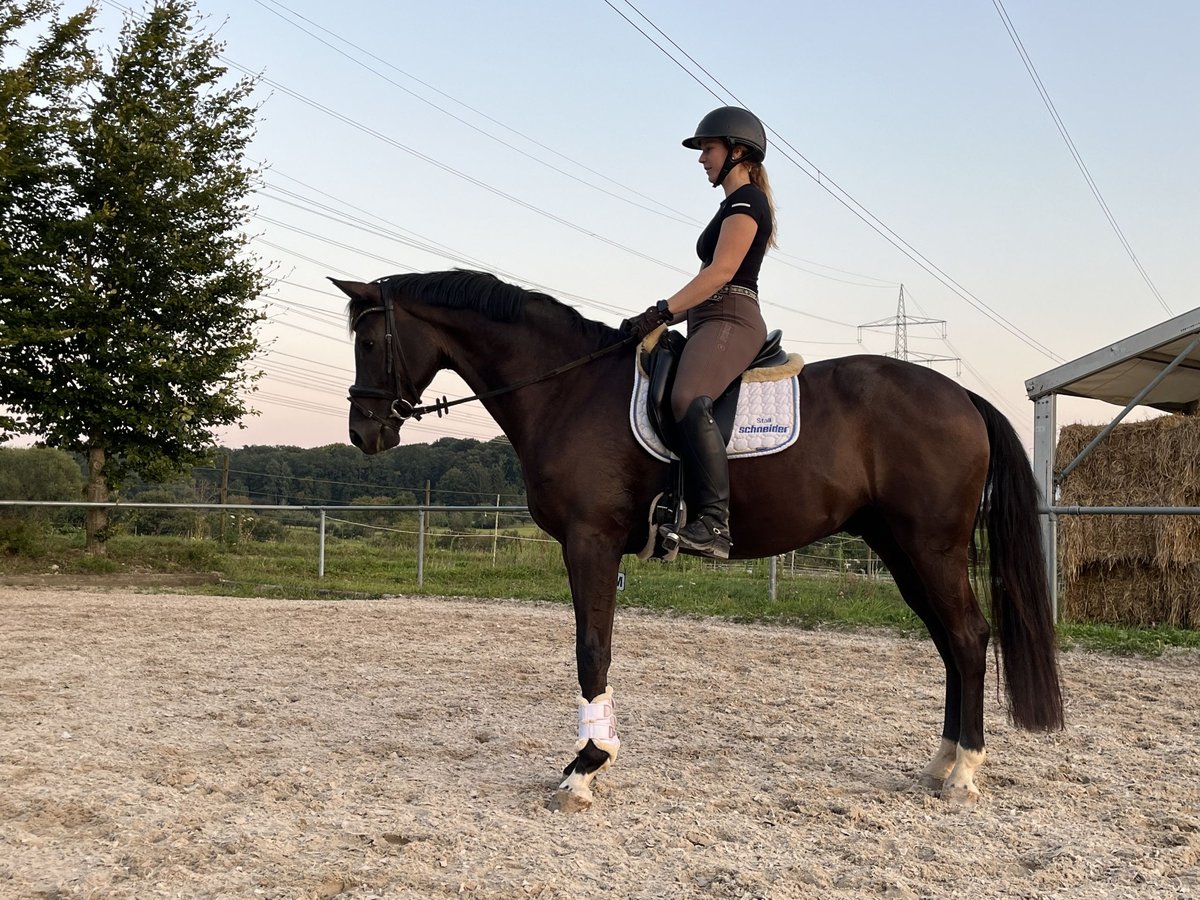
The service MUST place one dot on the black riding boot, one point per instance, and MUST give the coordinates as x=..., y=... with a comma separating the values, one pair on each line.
x=706, y=481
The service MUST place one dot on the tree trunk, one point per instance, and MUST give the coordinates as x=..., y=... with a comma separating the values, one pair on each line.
x=97, y=492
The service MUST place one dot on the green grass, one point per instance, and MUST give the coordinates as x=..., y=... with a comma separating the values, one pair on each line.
x=385, y=564
x=1122, y=641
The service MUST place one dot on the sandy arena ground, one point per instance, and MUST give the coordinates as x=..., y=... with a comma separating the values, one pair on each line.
x=173, y=746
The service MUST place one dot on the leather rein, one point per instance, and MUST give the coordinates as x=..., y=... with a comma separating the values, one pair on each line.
x=403, y=409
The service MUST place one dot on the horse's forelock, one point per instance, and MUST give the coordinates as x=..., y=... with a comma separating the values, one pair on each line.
x=355, y=308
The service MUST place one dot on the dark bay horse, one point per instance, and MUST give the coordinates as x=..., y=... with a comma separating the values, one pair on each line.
x=891, y=451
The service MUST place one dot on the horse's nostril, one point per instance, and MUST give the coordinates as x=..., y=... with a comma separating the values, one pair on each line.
x=356, y=439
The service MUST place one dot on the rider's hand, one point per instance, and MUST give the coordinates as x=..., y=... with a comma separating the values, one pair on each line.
x=644, y=323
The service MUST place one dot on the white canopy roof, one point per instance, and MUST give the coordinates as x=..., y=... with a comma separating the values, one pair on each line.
x=1119, y=372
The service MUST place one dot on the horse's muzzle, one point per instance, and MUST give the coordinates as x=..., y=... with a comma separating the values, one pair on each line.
x=370, y=436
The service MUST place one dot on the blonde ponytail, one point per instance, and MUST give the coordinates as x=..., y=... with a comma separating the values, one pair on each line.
x=758, y=178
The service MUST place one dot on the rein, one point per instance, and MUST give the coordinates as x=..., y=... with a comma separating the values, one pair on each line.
x=402, y=409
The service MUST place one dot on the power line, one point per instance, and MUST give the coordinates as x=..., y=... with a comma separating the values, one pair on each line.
x=675, y=214
x=996, y=395
x=1062, y=130
x=329, y=213
x=890, y=285
x=378, y=135
x=781, y=257
x=842, y=196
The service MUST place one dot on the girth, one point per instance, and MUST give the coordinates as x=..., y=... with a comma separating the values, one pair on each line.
x=660, y=364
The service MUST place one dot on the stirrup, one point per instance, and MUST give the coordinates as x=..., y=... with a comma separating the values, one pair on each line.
x=714, y=542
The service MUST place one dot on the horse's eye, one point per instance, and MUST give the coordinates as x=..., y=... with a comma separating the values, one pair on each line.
x=368, y=344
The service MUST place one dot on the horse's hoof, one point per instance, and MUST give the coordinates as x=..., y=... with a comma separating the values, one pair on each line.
x=930, y=782
x=569, y=801
x=960, y=795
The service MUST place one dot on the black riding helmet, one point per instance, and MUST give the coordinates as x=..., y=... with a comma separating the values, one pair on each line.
x=733, y=125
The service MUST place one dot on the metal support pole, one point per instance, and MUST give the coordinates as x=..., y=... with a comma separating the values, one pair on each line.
x=1045, y=432
x=1104, y=432
x=421, y=548
x=773, y=581
x=321, y=551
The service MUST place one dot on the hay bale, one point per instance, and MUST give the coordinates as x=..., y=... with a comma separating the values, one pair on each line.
x=1132, y=570
x=1151, y=463
x=1133, y=594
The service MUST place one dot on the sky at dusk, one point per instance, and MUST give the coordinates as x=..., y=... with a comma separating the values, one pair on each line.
x=909, y=146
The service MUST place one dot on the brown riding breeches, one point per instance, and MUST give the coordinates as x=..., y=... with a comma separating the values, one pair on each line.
x=724, y=336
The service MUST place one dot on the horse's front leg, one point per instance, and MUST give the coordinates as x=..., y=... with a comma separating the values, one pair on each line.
x=592, y=561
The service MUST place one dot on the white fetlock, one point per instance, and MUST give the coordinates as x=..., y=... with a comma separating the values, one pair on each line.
x=960, y=783
x=598, y=724
x=939, y=768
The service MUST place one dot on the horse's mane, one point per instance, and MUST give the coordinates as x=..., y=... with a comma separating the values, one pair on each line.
x=483, y=293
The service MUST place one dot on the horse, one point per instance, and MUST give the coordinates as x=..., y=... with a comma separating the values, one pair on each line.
x=893, y=452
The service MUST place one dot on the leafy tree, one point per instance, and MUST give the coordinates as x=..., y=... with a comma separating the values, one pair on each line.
x=39, y=474
x=143, y=343
x=40, y=118
x=279, y=481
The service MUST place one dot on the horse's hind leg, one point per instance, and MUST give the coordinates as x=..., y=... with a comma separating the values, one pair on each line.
x=946, y=577
x=937, y=587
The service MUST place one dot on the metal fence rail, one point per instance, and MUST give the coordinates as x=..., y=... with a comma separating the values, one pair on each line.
x=870, y=565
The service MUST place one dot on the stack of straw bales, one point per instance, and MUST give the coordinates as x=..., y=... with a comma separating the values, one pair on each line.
x=1133, y=570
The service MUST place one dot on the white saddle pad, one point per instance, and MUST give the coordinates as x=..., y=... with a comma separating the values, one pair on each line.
x=767, y=419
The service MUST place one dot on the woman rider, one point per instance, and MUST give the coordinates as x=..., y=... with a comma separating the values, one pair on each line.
x=725, y=327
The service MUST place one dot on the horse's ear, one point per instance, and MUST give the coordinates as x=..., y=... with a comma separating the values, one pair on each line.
x=357, y=290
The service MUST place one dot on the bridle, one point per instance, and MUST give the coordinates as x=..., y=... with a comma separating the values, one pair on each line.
x=403, y=409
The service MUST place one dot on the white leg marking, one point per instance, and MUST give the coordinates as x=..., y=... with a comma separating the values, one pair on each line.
x=575, y=793
x=938, y=770
x=960, y=784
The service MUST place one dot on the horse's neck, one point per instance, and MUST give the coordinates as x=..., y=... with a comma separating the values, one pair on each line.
x=496, y=356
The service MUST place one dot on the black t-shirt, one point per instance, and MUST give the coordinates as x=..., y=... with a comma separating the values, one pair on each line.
x=746, y=200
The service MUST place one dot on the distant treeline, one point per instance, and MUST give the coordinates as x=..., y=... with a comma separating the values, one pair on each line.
x=456, y=472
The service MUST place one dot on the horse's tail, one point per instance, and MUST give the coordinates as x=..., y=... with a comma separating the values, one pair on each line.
x=1021, y=615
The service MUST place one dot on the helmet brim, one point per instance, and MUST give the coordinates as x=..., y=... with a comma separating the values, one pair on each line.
x=756, y=154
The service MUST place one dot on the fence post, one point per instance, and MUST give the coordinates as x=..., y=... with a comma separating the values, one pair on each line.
x=496, y=532
x=773, y=579
x=421, y=547
x=321, y=551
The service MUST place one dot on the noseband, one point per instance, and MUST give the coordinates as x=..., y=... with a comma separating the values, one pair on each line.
x=403, y=409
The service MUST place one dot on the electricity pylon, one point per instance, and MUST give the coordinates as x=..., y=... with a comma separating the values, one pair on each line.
x=899, y=323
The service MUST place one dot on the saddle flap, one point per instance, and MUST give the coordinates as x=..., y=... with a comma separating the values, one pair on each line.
x=659, y=364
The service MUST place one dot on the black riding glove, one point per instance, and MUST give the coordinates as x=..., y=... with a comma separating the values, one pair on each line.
x=644, y=323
